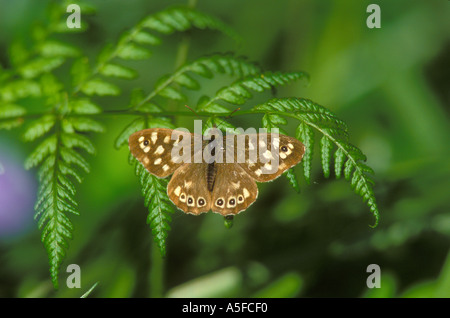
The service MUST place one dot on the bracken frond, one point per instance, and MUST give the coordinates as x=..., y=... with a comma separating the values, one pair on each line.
x=334, y=135
x=159, y=206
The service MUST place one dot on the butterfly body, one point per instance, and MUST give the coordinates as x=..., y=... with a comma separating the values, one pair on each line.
x=224, y=180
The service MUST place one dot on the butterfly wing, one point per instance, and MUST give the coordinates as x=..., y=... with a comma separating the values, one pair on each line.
x=234, y=190
x=188, y=188
x=267, y=156
x=161, y=150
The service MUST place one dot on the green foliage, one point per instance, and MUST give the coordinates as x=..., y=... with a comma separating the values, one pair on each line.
x=239, y=92
x=159, y=206
x=334, y=134
x=63, y=126
x=205, y=67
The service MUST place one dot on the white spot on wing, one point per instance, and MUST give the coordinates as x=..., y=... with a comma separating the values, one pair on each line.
x=229, y=205
x=250, y=145
x=276, y=142
x=159, y=150
x=193, y=201
x=267, y=154
x=154, y=136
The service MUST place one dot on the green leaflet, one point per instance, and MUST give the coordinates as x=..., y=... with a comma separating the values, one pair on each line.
x=99, y=87
x=83, y=124
x=39, y=127
x=84, y=107
x=117, y=70
x=135, y=125
x=40, y=65
x=52, y=48
x=18, y=89
x=290, y=175
x=306, y=135
x=326, y=147
x=132, y=51
x=11, y=110
x=10, y=116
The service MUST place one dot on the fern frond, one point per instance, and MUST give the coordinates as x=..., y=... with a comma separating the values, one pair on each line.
x=241, y=90
x=205, y=67
x=59, y=159
x=314, y=117
x=184, y=18
x=56, y=155
x=131, y=47
x=159, y=206
x=153, y=188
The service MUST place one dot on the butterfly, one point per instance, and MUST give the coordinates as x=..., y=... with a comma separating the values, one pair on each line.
x=224, y=186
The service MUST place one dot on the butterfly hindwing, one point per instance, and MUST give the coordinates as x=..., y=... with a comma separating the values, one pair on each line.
x=188, y=188
x=234, y=190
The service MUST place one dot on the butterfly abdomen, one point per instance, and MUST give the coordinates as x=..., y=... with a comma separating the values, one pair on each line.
x=211, y=169
x=211, y=176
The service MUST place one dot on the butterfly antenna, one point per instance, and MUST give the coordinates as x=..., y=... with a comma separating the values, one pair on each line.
x=229, y=115
x=192, y=111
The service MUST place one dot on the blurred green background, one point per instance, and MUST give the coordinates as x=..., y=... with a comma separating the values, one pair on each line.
x=390, y=85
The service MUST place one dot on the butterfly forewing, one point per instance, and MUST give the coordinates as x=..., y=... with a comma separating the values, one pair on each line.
x=266, y=156
x=153, y=148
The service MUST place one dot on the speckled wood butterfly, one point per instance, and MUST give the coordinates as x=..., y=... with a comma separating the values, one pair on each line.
x=218, y=184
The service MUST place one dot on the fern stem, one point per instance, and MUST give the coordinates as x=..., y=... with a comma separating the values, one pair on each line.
x=54, y=268
x=181, y=58
x=183, y=48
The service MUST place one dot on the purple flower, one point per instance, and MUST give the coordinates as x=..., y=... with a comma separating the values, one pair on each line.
x=17, y=196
